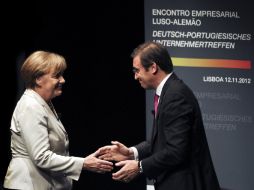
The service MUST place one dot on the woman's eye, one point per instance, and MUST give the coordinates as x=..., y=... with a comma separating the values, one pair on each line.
x=58, y=75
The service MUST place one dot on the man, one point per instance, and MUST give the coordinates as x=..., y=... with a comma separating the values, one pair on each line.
x=177, y=156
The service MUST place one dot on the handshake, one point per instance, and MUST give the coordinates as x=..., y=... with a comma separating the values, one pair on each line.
x=104, y=158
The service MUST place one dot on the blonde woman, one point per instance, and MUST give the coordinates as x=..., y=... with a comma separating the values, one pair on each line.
x=39, y=142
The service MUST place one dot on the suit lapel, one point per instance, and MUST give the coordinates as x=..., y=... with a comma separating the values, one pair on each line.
x=156, y=119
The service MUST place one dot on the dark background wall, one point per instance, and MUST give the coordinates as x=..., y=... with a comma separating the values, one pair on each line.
x=101, y=101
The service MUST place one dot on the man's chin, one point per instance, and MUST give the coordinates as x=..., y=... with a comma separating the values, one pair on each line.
x=145, y=86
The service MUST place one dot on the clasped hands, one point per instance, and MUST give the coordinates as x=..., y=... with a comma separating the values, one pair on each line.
x=102, y=160
x=124, y=158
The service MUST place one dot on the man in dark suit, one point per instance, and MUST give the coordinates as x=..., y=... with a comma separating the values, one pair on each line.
x=177, y=156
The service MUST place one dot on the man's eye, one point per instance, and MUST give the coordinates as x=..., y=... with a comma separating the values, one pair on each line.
x=135, y=70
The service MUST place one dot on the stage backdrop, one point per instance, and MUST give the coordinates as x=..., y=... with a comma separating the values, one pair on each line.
x=211, y=45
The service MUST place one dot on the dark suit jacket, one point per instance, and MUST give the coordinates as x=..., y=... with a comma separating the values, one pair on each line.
x=178, y=157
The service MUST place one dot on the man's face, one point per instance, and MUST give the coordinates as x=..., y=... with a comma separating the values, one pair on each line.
x=145, y=77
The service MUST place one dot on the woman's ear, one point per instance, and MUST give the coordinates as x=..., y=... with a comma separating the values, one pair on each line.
x=38, y=81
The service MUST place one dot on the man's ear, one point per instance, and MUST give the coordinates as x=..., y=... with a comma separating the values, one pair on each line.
x=154, y=68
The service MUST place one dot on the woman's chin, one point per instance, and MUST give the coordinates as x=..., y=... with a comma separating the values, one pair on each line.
x=58, y=93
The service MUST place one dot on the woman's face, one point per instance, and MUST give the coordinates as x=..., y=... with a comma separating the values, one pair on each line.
x=50, y=85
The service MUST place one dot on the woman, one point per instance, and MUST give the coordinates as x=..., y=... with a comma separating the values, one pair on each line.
x=39, y=142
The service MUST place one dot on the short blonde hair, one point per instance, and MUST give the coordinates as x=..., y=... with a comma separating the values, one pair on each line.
x=40, y=63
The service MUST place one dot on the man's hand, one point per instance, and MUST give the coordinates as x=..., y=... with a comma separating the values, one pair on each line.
x=128, y=172
x=116, y=152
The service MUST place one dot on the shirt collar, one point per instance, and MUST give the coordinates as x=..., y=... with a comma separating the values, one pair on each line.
x=159, y=88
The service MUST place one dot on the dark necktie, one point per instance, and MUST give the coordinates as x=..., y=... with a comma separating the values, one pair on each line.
x=156, y=98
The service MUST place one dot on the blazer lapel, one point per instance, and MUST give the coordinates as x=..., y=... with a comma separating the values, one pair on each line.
x=54, y=115
x=39, y=99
